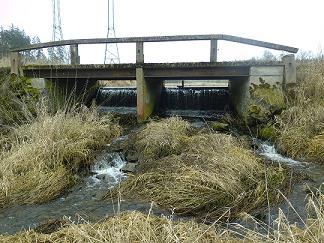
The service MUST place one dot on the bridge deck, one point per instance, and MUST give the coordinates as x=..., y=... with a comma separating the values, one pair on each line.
x=192, y=70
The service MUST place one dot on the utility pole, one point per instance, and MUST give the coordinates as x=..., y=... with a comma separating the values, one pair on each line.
x=111, y=50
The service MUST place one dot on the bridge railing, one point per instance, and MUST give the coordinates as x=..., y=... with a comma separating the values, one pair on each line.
x=75, y=59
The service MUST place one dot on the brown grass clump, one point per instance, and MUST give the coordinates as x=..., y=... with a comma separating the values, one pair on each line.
x=210, y=175
x=302, y=125
x=138, y=227
x=41, y=159
x=282, y=230
x=162, y=138
x=128, y=227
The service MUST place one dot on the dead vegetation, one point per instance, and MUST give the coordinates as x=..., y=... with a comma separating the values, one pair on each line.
x=205, y=175
x=41, y=159
x=302, y=124
x=162, y=138
x=127, y=227
x=138, y=227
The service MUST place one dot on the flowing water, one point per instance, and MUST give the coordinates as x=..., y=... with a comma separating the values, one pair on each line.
x=206, y=102
x=294, y=206
x=84, y=201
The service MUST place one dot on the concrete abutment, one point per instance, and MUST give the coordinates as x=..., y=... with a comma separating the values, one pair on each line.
x=148, y=94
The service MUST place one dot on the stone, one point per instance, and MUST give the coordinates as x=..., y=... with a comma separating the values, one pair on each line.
x=132, y=157
x=220, y=126
x=129, y=167
x=119, y=144
x=268, y=132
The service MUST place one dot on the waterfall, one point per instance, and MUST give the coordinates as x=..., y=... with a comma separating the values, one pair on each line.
x=117, y=97
x=194, y=99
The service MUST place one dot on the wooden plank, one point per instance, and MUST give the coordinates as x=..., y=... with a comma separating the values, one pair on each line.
x=161, y=39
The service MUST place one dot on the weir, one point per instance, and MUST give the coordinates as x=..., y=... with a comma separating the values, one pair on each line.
x=186, y=101
x=78, y=79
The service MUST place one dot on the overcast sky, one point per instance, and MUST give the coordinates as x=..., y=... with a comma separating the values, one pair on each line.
x=289, y=22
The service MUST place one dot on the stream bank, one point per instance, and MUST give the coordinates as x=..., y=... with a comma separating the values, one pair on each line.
x=83, y=202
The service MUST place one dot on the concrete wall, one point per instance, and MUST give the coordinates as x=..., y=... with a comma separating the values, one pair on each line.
x=239, y=89
x=148, y=94
x=273, y=75
x=279, y=75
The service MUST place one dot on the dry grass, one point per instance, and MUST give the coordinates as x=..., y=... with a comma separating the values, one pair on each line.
x=5, y=62
x=40, y=160
x=128, y=227
x=137, y=227
x=282, y=230
x=273, y=96
x=302, y=125
x=162, y=138
x=206, y=176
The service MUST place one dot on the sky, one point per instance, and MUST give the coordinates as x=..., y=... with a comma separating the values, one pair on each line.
x=296, y=23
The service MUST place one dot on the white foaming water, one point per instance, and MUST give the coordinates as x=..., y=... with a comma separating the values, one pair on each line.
x=270, y=152
x=108, y=168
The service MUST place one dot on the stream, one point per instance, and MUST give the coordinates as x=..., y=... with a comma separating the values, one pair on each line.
x=294, y=207
x=83, y=202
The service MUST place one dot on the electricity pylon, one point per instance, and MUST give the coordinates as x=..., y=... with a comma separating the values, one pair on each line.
x=59, y=54
x=111, y=50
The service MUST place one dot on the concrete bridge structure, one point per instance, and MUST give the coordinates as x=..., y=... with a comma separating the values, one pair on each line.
x=77, y=79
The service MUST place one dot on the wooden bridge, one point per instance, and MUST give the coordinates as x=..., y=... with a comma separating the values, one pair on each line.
x=150, y=76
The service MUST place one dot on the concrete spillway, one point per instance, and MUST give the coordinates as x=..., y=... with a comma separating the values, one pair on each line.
x=202, y=98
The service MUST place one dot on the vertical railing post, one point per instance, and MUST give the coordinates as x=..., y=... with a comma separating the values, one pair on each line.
x=74, y=51
x=139, y=52
x=289, y=69
x=213, y=50
x=15, y=62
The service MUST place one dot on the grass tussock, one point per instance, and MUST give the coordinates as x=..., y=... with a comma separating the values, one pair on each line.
x=41, y=159
x=128, y=227
x=302, y=124
x=210, y=174
x=138, y=227
x=162, y=138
